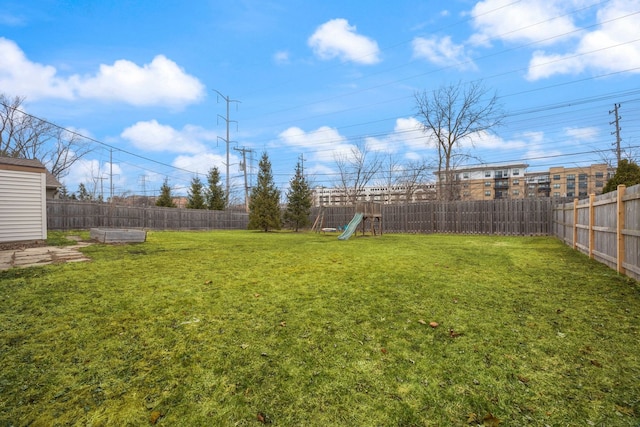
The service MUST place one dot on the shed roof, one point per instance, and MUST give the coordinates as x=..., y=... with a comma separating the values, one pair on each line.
x=51, y=181
x=32, y=163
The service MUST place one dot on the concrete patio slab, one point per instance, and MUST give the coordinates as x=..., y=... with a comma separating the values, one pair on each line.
x=31, y=257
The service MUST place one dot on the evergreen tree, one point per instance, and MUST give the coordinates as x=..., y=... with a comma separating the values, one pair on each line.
x=264, y=209
x=298, y=201
x=165, y=199
x=214, y=194
x=83, y=194
x=627, y=173
x=195, y=200
x=63, y=194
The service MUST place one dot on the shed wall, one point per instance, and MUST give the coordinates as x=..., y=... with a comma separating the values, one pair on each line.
x=23, y=209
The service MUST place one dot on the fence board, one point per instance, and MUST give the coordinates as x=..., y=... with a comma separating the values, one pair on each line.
x=604, y=243
x=508, y=217
x=76, y=215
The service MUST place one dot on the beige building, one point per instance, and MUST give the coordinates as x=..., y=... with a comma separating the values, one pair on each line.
x=490, y=182
x=512, y=181
x=579, y=181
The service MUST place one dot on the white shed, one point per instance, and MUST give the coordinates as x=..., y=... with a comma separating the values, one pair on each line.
x=23, y=207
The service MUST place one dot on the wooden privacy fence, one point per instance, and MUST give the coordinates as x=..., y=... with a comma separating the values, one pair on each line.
x=605, y=227
x=75, y=215
x=509, y=217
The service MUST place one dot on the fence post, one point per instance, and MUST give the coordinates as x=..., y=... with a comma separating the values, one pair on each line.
x=620, y=229
x=592, y=220
x=575, y=223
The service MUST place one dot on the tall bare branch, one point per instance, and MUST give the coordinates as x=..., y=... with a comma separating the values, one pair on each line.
x=25, y=136
x=451, y=115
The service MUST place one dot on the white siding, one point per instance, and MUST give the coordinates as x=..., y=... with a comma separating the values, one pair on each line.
x=23, y=209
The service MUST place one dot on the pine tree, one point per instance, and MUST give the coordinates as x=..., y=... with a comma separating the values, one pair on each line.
x=195, y=200
x=627, y=173
x=83, y=194
x=298, y=201
x=63, y=194
x=264, y=209
x=214, y=194
x=165, y=199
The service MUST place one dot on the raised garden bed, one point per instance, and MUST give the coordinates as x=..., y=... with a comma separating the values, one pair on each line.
x=118, y=235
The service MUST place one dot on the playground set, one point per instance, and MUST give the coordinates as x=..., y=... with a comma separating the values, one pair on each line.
x=364, y=212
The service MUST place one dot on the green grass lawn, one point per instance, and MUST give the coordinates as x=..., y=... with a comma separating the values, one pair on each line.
x=243, y=328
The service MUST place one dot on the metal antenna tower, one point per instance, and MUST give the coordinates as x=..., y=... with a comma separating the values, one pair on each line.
x=227, y=140
x=244, y=152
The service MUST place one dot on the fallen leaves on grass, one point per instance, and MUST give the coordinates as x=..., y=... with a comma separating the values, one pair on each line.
x=283, y=324
x=434, y=324
x=625, y=410
x=263, y=418
x=422, y=322
x=383, y=350
x=155, y=416
x=488, y=420
x=454, y=334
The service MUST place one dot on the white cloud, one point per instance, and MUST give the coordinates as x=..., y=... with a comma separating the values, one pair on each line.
x=442, y=51
x=610, y=47
x=407, y=133
x=324, y=142
x=338, y=39
x=202, y=163
x=153, y=136
x=21, y=77
x=281, y=57
x=161, y=82
x=89, y=172
x=585, y=134
x=532, y=20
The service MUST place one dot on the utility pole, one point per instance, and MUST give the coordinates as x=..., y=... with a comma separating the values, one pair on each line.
x=302, y=164
x=617, y=132
x=244, y=152
x=101, y=179
x=227, y=140
x=143, y=179
x=111, y=174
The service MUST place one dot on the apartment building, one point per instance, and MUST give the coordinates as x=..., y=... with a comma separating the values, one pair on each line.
x=514, y=182
x=538, y=184
x=579, y=181
x=489, y=182
x=324, y=196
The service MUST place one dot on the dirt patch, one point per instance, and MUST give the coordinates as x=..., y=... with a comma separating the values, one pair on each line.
x=20, y=246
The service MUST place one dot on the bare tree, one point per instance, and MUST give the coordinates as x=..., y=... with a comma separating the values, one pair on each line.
x=356, y=169
x=413, y=176
x=25, y=136
x=451, y=115
x=390, y=177
x=630, y=152
x=404, y=179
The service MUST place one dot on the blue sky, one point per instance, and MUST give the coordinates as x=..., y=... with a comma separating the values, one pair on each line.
x=315, y=78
